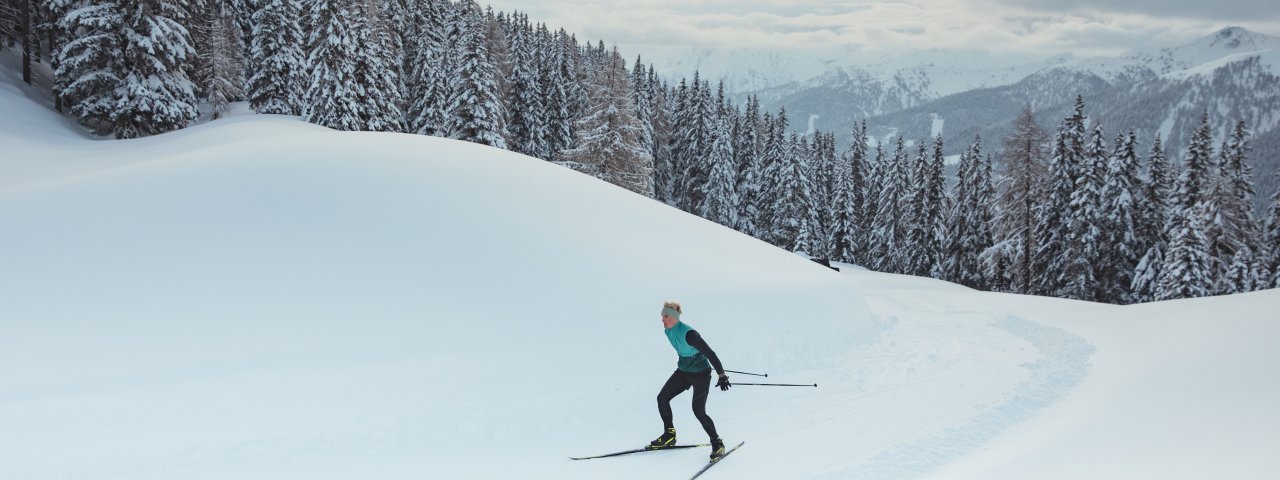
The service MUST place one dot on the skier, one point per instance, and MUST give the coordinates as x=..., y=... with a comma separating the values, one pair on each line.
x=692, y=370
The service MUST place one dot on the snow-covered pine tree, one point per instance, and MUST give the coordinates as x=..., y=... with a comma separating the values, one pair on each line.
x=1119, y=250
x=746, y=152
x=498, y=48
x=1187, y=266
x=858, y=177
x=927, y=228
x=1195, y=182
x=661, y=119
x=527, y=125
x=773, y=158
x=1187, y=269
x=1153, y=210
x=352, y=79
x=695, y=142
x=640, y=96
x=720, y=204
x=1271, y=241
x=984, y=213
x=968, y=232
x=277, y=58
x=1083, y=248
x=1236, y=229
x=913, y=233
x=681, y=118
x=609, y=135
x=473, y=108
x=876, y=170
x=223, y=56
x=887, y=236
x=557, y=80
x=1053, y=215
x=1020, y=188
x=845, y=206
x=428, y=55
x=793, y=215
x=154, y=94
x=1239, y=276
x=90, y=65
x=823, y=166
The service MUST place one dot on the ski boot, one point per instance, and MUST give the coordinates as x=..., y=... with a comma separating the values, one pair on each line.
x=717, y=448
x=667, y=439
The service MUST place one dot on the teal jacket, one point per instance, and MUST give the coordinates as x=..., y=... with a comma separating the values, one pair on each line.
x=695, y=355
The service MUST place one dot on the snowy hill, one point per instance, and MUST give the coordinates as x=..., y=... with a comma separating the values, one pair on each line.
x=259, y=298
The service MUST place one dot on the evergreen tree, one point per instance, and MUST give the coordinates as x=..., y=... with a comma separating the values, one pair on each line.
x=1238, y=231
x=1195, y=181
x=1187, y=268
x=858, y=178
x=927, y=229
x=1119, y=251
x=968, y=231
x=746, y=152
x=1154, y=209
x=1083, y=247
x=1271, y=241
x=429, y=64
x=91, y=66
x=846, y=204
x=695, y=144
x=528, y=124
x=1054, y=214
x=154, y=95
x=886, y=230
x=277, y=58
x=353, y=84
x=774, y=155
x=678, y=144
x=473, y=107
x=641, y=97
x=793, y=215
x=721, y=202
x=558, y=80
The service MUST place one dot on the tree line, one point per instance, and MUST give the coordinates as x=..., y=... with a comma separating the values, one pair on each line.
x=1066, y=216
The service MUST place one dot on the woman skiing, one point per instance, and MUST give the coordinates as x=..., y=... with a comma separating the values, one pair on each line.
x=692, y=370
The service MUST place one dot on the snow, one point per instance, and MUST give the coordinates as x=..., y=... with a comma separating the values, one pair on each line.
x=1268, y=59
x=259, y=298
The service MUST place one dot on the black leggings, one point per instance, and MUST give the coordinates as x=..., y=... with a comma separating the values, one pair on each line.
x=679, y=382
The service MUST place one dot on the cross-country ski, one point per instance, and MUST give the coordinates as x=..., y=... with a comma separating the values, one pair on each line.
x=715, y=461
x=641, y=450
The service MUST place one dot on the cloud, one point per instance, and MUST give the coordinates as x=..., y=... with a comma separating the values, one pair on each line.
x=1031, y=27
x=1232, y=10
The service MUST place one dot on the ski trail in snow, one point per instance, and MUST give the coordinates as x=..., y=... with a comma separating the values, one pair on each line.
x=1061, y=362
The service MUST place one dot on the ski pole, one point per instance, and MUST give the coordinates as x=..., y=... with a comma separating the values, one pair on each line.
x=748, y=373
x=775, y=384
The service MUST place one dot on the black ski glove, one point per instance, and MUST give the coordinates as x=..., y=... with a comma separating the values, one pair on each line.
x=724, y=382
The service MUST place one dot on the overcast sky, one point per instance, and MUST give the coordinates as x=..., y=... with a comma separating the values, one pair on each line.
x=1034, y=27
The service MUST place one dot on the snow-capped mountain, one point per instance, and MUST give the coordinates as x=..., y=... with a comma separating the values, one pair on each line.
x=1234, y=75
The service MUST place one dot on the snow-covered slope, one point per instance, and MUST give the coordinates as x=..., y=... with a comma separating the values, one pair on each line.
x=258, y=298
